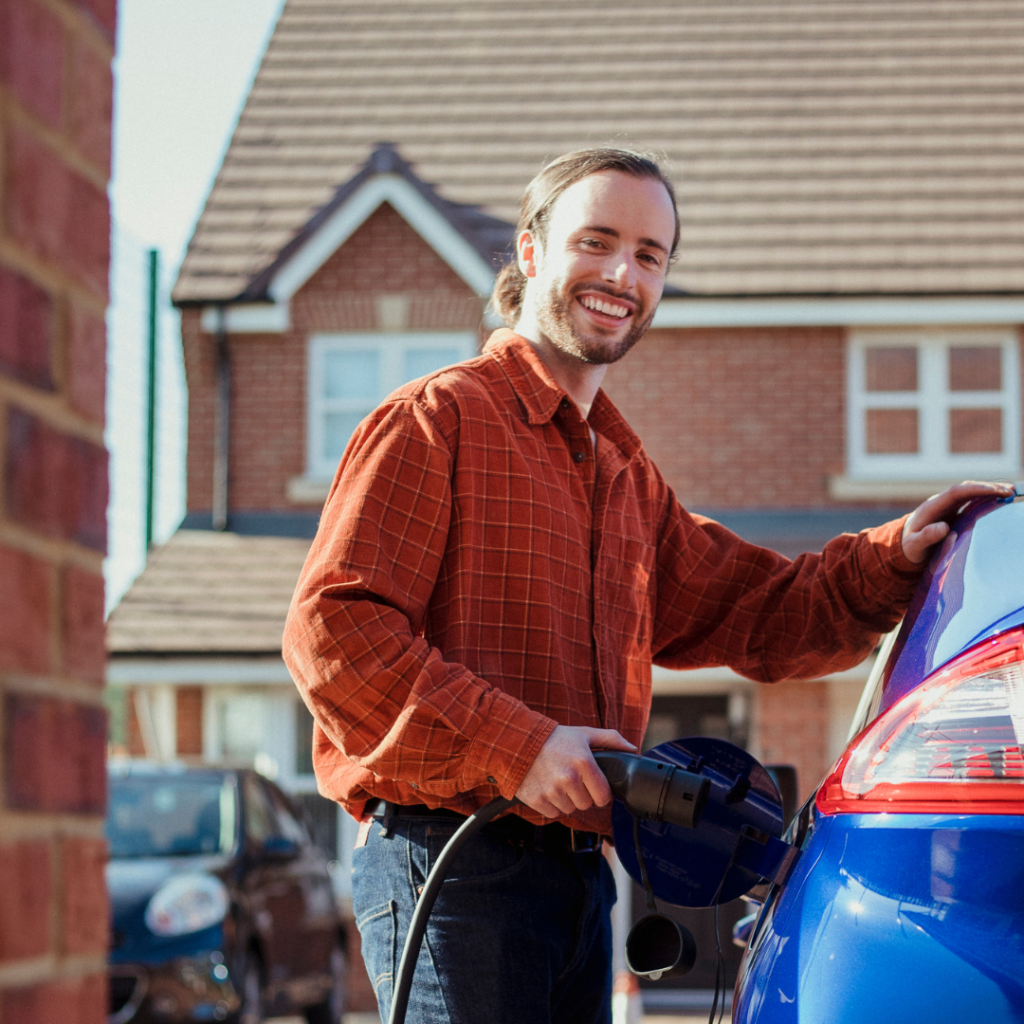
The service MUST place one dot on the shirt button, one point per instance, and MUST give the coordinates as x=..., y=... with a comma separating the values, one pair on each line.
x=414, y=786
x=564, y=403
x=492, y=780
x=579, y=456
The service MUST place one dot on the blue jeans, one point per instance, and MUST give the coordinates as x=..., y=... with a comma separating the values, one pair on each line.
x=516, y=935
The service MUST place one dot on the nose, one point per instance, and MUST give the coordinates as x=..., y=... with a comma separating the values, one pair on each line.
x=622, y=271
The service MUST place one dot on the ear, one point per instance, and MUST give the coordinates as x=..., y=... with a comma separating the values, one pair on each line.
x=527, y=251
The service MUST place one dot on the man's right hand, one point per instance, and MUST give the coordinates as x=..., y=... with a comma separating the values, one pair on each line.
x=564, y=777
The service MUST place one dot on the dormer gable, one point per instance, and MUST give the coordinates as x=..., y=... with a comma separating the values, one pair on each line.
x=469, y=241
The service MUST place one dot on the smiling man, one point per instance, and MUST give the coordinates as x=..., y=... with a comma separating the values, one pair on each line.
x=497, y=566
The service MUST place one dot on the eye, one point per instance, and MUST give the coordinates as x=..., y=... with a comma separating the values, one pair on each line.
x=651, y=258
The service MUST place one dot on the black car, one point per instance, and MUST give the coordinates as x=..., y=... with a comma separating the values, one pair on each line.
x=223, y=908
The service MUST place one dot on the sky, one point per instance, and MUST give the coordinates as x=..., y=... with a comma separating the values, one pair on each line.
x=182, y=72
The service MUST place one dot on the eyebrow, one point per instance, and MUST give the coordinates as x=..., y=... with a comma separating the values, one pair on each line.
x=649, y=242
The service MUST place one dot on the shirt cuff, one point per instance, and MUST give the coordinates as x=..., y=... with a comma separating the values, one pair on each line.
x=505, y=745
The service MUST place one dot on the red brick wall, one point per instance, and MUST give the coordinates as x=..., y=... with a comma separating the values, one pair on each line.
x=268, y=426
x=791, y=727
x=189, y=719
x=739, y=417
x=55, y=107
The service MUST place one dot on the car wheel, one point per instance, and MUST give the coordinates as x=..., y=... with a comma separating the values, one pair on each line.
x=251, y=992
x=332, y=1009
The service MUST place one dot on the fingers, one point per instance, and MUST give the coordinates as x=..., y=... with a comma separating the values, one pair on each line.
x=933, y=533
x=608, y=739
x=546, y=807
x=928, y=524
x=564, y=777
x=953, y=497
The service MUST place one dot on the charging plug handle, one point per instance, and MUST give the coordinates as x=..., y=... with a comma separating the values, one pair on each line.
x=653, y=789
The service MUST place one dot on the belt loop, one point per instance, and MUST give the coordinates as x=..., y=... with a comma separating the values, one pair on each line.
x=386, y=821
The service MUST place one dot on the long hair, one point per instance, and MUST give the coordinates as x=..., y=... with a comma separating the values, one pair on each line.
x=540, y=197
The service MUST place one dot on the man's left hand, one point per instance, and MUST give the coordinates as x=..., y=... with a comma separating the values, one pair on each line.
x=927, y=526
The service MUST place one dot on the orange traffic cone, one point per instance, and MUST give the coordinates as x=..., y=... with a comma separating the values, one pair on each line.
x=627, y=1006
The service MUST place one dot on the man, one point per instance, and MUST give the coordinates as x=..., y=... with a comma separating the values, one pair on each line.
x=496, y=567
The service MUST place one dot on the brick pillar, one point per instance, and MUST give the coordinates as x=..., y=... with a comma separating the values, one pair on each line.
x=55, y=113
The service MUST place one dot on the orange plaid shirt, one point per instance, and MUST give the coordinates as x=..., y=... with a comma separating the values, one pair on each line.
x=481, y=573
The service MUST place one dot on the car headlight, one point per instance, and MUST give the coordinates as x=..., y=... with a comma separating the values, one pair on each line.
x=187, y=903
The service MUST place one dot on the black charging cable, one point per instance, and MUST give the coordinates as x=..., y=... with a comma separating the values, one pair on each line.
x=432, y=886
x=719, y=976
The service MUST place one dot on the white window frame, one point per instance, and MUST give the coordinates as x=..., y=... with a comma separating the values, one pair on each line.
x=933, y=400
x=392, y=347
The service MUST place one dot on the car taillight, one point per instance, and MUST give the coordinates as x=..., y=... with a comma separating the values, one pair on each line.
x=951, y=746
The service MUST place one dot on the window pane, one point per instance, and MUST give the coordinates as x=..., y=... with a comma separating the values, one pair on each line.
x=338, y=428
x=421, y=361
x=975, y=430
x=892, y=369
x=241, y=724
x=322, y=815
x=260, y=823
x=352, y=375
x=303, y=740
x=975, y=369
x=892, y=431
x=291, y=827
x=161, y=817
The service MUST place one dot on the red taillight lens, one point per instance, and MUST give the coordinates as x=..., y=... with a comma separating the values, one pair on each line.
x=952, y=746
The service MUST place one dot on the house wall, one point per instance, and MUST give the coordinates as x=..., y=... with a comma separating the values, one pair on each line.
x=55, y=113
x=791, y=726
x=268, y=428
x=739, y=417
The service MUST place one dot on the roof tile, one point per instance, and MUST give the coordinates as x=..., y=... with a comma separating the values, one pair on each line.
x=818, y=145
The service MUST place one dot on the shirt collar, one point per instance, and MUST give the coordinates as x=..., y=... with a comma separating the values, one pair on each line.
x=541, y=394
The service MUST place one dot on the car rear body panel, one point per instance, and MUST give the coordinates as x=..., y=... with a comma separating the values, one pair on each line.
x=908, y=917
x=899, y=918
x=973, y=589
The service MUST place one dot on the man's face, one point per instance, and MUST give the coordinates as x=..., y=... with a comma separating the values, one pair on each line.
x=594, y=281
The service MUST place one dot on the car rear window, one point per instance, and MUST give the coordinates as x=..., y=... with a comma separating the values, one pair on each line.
x=166, y=817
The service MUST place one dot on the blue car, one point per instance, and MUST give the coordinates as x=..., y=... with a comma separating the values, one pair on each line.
x=907, y=901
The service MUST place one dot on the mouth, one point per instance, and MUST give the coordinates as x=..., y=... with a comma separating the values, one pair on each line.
x=606, y=309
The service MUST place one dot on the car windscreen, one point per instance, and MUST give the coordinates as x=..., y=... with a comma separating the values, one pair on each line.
x=170, y=817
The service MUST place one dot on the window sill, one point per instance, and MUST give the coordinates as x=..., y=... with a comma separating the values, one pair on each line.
x=305, y=490
x=847, y=488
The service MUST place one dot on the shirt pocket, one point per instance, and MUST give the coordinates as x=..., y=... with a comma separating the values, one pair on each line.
x=626, y=592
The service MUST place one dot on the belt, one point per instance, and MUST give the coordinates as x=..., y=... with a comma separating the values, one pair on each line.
x=553, y=838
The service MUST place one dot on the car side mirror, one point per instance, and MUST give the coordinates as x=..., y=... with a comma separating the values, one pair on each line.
x=279, y=848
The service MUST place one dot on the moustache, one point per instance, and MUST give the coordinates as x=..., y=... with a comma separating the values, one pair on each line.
x=611, y=293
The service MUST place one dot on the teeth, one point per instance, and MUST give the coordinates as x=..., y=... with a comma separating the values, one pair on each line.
x=604, y=307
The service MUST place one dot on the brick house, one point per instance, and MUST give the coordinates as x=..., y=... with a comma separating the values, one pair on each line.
x=839, y=337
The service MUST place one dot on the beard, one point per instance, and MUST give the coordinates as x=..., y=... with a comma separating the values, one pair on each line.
x=555, y=319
